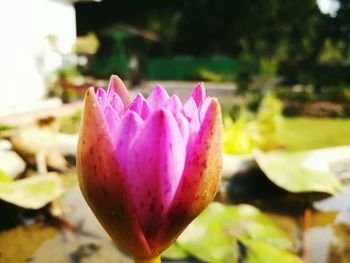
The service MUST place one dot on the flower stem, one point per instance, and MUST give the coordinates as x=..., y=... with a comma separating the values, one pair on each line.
x=149, y=260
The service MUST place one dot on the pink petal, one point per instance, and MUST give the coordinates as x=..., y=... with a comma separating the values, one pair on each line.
x=190, y=109
x=136, y=104
x=173, y=104
x=117, y=104
x=183, y=126
x=129, y=126
x=112, y=120
x=200, y=180
x=199, y=94
x=158, y=97
x=146, y=110
x=102, y=183
x=156, y=162
x=204, y=108
x=101, y=98
x=116, y=85
x=191, y=112
x=140, y=106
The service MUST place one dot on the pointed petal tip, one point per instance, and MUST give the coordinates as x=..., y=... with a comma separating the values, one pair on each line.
x=158, y=97
x=117, y=85
x=90, y=96
x=100, y=91
x=90, y=90
x=160, y=91
x=214, y=107
x=199, y=94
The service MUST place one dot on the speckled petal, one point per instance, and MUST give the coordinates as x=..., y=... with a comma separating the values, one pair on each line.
x=102, y=183
x=201, y=177
x=156, y=163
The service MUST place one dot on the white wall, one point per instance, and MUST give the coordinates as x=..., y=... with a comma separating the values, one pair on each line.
x=26, y=54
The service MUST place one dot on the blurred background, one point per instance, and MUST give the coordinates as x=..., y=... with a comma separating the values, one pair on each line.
x=281, y=71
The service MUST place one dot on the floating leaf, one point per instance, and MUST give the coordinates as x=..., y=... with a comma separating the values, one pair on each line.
x=175, y=252
x=32, y=192
x=213, y=235
x=260, y=252
x=4, y=178
x=290, y=170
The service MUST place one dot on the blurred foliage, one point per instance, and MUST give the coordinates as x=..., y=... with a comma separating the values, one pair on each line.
x=331, y=52
x=287, y=28
x=302, y=44
x=313, y=133
x=68, y=73
x=71, y=123
x=302, y=100
x=208, y=75
x=250, y=131
x=268, y=67
x=5, y=127
x=303, y=94
x=87, y=44
x=221, y=233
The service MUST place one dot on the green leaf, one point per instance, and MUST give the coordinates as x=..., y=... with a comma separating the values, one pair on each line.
x=175, y=252
x=260, y=252
x=32, y=192
x=213, y=235
x=290, y=170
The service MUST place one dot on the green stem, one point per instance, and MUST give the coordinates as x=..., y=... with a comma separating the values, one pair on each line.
x=149, y=260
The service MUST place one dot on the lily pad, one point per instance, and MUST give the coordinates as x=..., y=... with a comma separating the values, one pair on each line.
x=32, y=192
x=260, y=252
x=290, y=171
x=175, y=252
x=213, y=236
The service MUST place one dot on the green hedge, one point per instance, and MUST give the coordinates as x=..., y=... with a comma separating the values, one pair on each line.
x=179, y=68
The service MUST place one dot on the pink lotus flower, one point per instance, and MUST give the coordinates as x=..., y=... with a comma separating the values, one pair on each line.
x=147, y=168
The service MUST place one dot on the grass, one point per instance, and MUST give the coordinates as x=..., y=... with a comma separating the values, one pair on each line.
x=313, y=133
